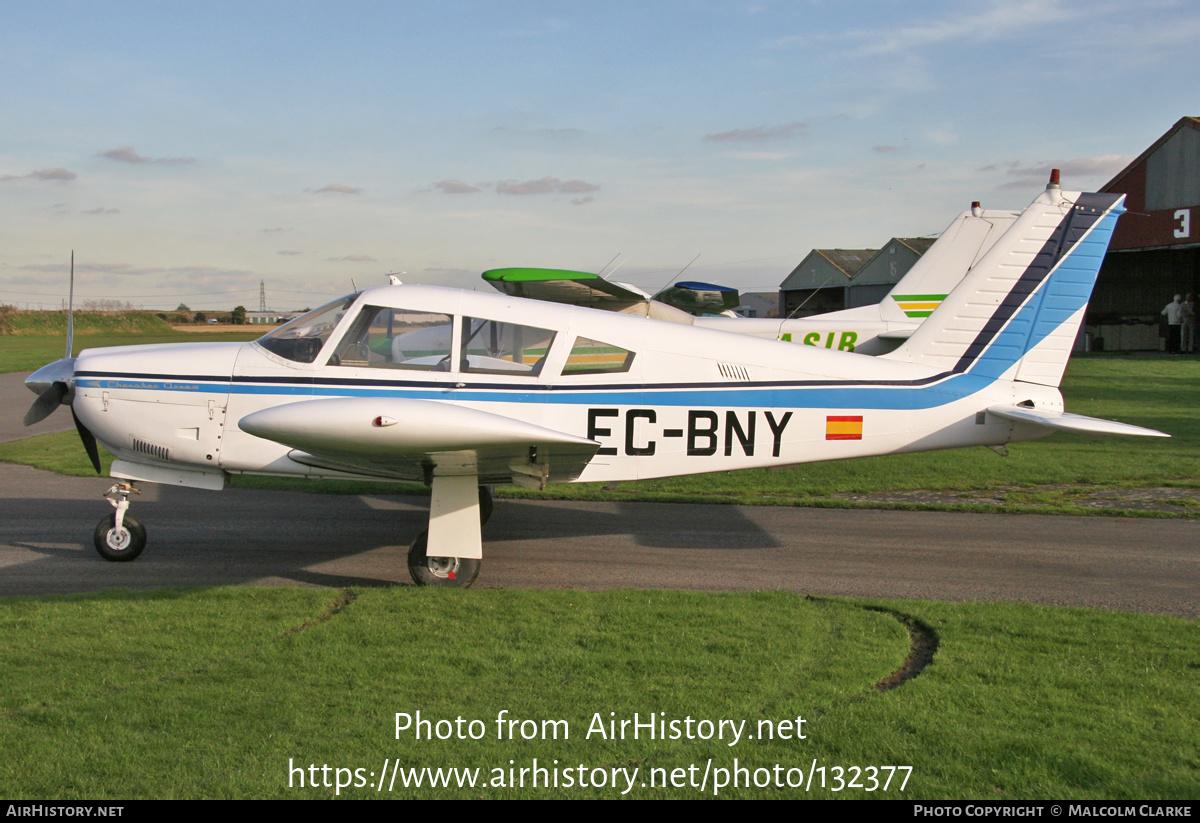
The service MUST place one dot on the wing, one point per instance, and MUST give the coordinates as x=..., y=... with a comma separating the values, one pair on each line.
x=404, y=438
x=574, y=288
x=700, y=298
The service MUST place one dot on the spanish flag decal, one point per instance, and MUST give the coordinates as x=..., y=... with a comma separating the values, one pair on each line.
x=918, y=305
x=843, y=427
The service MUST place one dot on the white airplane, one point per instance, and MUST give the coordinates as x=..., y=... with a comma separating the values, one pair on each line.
x=874, y=329
x=532, y=393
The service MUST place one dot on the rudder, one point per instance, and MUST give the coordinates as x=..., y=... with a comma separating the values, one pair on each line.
x=1016, y=315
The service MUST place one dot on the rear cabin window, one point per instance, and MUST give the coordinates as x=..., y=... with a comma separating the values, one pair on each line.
x=496, y=347
x=595, y=357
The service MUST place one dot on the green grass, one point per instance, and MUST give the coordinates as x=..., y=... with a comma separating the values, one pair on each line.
x=209, y=693
x=54, y=323
x=20, y=353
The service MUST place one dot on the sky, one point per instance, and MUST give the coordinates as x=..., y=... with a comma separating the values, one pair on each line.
x=187, y=152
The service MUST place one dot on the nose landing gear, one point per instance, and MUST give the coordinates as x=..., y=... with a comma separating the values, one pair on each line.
x=120, y=536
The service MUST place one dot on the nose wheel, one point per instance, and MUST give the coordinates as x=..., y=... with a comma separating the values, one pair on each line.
x=120, y=544
x=120, y=536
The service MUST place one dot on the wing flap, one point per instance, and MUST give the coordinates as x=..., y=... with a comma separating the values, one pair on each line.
x=1064, y=421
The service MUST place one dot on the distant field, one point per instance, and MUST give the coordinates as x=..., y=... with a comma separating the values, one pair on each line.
x=25, y=351
x=54, y=323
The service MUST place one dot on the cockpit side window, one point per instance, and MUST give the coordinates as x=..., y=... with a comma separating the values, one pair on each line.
x=387, y=338
x=496, y=347
x=302, y=339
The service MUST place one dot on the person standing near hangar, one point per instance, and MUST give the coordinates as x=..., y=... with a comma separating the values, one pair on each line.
x=1174, y=314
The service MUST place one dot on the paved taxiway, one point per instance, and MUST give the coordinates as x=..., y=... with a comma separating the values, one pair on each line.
x=15, y=400
x=236, y=537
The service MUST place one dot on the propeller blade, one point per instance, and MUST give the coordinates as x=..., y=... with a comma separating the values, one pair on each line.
x=89, y=441
x=47, y=402
x=71, y=307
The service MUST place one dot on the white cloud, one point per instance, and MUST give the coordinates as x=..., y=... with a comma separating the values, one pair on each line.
x=338, y=188
x=56, y=174
x=758, y=133
x=127, y=154
x=455, y=187
x=1082, y=168
x=998, y=21
x=547, y=185
x=943, y=136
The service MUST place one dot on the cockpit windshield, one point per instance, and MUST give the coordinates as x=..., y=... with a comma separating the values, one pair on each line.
x=301, y=339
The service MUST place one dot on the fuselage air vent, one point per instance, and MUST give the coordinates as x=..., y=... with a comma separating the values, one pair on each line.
x=139, y=445
x=730, y=372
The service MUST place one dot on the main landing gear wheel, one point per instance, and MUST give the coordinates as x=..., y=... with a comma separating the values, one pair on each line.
x=448, y=572
x=120, y=545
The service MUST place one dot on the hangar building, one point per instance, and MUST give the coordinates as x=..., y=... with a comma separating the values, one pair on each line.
x=1155, y=250
x=835, y=279
x=818, y=284
x=874, y=280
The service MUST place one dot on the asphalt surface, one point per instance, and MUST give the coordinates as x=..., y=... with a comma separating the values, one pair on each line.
x=15, y=400
x=244, y=537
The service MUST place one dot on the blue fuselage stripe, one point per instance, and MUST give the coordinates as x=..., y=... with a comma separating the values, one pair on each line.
x=783, y=396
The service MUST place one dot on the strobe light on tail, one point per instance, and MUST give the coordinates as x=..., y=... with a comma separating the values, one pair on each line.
x=460, y=390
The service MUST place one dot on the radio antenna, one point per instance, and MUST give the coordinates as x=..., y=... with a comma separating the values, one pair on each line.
x=606, y=265
x=681, y=271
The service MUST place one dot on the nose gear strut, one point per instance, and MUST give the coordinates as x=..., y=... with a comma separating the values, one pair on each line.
x=120, y=536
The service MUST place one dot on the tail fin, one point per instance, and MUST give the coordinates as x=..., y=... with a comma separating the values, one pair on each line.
x=1017, y=313
x=944, y=264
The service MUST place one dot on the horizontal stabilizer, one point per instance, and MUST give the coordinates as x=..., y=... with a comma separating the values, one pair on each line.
x=897, y=334
x=1063, y=421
